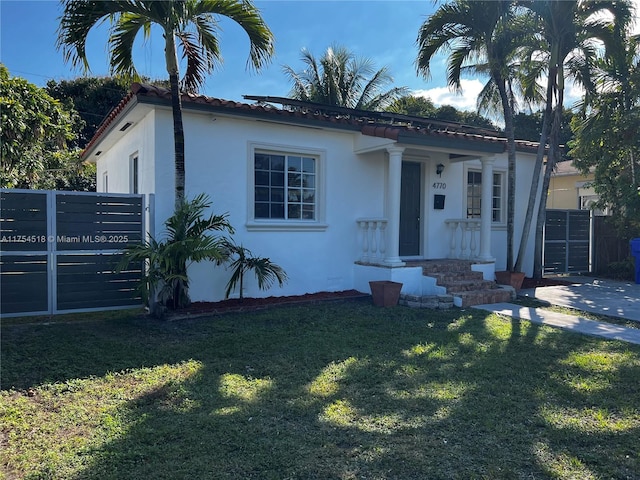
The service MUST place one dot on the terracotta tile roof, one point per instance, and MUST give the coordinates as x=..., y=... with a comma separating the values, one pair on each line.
x=377, y=124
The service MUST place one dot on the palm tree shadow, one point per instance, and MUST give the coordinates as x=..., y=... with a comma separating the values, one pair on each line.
x=348, y=390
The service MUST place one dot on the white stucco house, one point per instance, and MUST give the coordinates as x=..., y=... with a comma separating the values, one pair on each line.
x=335, y=196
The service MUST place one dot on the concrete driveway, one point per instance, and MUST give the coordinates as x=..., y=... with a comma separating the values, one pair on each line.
x=601, y=296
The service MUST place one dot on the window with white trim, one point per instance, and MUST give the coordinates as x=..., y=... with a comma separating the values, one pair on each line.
x=474, y=195
x=285, y=186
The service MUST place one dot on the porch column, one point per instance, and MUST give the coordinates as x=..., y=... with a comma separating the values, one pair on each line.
x=393, y=207
x=486, y=209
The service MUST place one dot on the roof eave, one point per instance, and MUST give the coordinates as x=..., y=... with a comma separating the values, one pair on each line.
x=446, y=142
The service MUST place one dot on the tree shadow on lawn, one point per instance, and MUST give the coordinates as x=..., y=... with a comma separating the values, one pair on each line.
x=351, y=391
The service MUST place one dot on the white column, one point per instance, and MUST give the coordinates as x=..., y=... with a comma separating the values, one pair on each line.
x=382, y=248
x=364, y=225
x=393, y=206
x=486, y=209
x=373, y=245
x=453, y=225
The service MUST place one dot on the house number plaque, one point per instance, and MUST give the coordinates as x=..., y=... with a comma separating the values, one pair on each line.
x=439, y=185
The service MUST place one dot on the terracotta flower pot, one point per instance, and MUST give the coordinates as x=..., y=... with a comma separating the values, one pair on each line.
x=513, y=279
x=385, y=293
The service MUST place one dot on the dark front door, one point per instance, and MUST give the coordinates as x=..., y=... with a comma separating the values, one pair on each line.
x=410, y=210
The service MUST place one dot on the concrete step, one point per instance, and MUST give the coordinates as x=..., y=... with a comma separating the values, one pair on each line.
x=445, y=266
x=444, y=278
x=455, y=286
x=482, y=297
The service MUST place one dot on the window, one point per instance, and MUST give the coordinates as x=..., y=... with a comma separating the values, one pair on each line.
x=285, y=186
x=105, y=181
x=135, y=179
x=474, y=196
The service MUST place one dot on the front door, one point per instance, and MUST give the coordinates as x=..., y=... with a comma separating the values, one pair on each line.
x=410, y=209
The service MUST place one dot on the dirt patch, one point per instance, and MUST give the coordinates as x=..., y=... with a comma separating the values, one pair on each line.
x=249, y=304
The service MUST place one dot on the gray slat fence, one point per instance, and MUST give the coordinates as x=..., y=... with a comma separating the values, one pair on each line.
x=59, y=250
x=567, y=241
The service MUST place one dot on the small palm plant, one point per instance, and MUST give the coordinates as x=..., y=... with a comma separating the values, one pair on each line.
x=241, y=260
x=187, y=241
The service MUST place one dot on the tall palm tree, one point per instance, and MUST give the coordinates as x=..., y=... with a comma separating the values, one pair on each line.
x=189, y=24
x=611, y=115
x=483, y=39
x=340, y=78
x=565, y=46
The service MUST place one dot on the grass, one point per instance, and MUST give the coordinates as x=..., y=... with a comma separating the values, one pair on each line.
x=337, y=390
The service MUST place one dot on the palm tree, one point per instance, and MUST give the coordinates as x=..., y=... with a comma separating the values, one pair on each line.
x=241, y=260
x=565, y=46
x=187, y=241
x=339, y=78
x=611, y=115
x=189, y=24
x=483, y=39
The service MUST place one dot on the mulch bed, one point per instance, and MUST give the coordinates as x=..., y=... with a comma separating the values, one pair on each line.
x=251, y=304
x=198, y=309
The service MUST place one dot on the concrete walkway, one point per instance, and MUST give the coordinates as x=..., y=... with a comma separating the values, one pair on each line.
x=564, y=321
x=600, y=296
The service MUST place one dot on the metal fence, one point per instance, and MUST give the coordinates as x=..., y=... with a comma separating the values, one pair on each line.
x=567, y=241
x=59, y=251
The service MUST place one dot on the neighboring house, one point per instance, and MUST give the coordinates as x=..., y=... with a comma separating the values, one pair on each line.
x=571, y=190
x=335, y=196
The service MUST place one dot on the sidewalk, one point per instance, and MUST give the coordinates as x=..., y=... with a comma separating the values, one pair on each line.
x=564, y=321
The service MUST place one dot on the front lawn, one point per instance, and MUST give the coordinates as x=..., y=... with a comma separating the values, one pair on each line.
x=339, y=390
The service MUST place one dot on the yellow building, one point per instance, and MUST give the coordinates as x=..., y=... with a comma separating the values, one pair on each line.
x=569, y=189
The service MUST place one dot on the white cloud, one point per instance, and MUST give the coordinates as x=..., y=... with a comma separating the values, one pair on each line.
x=466, y=100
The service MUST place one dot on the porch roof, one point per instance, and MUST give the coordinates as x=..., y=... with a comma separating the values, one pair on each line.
x=403, y=129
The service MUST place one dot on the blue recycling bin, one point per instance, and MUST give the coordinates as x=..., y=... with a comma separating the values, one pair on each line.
x=635, y=251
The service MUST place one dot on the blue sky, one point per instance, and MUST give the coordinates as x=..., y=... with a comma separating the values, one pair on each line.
x=382, y=30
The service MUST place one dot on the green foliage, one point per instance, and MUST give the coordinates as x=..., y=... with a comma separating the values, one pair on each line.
x=606, y=134
x=92, y=97
x=339, y=78
x=424, y=107
x=36, y=132
x=529, y=125
x=624, y=270
x=187, y=241
x=241, y=261
x=412, y=105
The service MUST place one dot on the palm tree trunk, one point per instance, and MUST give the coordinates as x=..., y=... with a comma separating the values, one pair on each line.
x=176, y=106
x=554, y=154
x=509, y=128
x=535, y=181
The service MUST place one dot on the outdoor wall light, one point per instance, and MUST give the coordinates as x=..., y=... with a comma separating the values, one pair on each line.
x=439, y=169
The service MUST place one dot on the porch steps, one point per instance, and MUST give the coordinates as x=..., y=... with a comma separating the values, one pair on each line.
x=465, y=285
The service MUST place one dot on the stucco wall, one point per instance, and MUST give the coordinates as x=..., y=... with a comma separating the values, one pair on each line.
x=219, y=162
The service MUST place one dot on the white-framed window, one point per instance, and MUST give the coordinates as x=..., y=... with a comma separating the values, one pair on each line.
x=285, y=191
x=134, y=173
x=105, y=182
x=474, y=195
